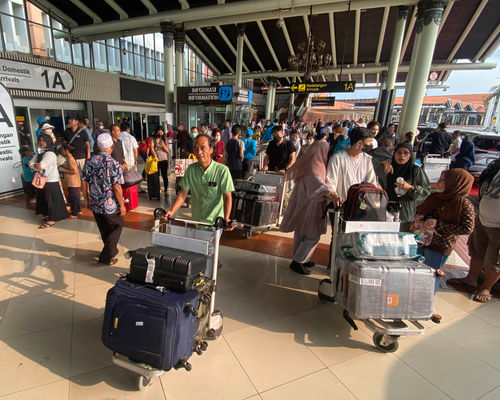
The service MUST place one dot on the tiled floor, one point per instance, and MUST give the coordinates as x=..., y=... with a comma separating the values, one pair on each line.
x=279, y=341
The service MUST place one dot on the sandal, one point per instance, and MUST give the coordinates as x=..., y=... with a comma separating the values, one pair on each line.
x=46, y=225
x=482, y=297
x=113, y=261
x=460, y=282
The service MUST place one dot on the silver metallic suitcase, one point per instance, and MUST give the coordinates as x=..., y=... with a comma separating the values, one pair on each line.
x=386, y=289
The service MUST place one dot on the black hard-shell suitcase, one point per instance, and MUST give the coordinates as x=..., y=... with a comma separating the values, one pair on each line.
x=153, y=185
x=151, y=326
x=162, y=266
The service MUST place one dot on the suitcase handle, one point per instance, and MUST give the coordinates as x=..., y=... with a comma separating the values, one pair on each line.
x=159, y=212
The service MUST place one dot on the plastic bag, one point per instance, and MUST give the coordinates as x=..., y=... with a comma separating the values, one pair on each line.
x=151, y=165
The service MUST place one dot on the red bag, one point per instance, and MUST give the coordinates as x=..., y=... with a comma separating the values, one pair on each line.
x=131, y=197
x=365, y=202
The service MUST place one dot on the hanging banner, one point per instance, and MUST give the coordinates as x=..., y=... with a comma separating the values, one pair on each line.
x=10, y=177
x=23, y=75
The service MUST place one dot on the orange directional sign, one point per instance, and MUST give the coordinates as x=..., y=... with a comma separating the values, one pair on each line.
x=322, y=87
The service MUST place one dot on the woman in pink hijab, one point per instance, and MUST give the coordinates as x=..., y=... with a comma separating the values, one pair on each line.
x=305, y=214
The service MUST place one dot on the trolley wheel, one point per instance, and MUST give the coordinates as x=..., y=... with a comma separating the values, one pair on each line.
x=143, y=382
x=385, y=343
x=323, y=297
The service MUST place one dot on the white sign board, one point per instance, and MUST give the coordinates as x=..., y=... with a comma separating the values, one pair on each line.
x=10, y=179
x=17, y=75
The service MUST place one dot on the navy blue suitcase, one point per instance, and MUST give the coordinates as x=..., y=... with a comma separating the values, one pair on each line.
x=150, y=326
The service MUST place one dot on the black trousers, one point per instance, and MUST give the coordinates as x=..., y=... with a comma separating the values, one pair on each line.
x=247, y=168
x=110, y=227
x=163, y=168
x=236, y=174
x=74, y=200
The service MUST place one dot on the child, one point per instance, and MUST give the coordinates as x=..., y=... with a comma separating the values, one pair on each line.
x=28, y=174
x=72, y=178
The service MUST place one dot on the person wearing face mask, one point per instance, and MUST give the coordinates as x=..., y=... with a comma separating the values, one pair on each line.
x=47, y=129
x=406, y=184
x=99, y=128
x=218, y=153
x=352, y=166
x=249, y=154
x=190, y=140
x=280, y=154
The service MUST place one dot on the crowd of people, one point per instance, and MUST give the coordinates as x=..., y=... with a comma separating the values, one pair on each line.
x=323, y=160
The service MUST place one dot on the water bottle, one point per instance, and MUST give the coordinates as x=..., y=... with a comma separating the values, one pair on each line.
x=399, y=190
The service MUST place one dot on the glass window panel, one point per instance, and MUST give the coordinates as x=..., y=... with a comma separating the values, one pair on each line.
x=63, y=50
x=139, y=66
x=57, y=25
x=99, y=55
x=149, y=41
x=77, y=54
x=159, y=43
x=41, y=40
x=127, y=56
x=150, y=68
x=114, y=62
x=15, y=34
x=87, y=60
x=160, y=73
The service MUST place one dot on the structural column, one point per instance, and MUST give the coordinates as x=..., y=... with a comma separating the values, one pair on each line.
x=179, y=57
x=168, y=31
x=291, y=104
x=239, y=53
x=429, y=14
x=269, y=97
x=386, y=98
x=273, y=98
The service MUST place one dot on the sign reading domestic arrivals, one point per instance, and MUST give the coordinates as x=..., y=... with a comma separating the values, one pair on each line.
x=9, y=145
x=22, y=75
x=323, y=87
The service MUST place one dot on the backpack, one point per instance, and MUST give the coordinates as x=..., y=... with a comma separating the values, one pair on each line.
x=487, y=176
x=365, y=202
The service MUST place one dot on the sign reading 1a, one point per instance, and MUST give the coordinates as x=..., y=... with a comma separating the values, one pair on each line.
x=324, y=87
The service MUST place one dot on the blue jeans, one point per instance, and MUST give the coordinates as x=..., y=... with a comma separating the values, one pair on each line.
x=433, y=259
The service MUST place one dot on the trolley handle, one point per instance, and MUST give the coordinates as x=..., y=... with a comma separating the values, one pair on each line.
x=159, y=212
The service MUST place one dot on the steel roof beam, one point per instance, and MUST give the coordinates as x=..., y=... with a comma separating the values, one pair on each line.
x=184, y=4
x=366, y=70
x=331, y=25
x=120, y=11
x=464, y=34
x=306, y=24
x=234, y=12
x=487, y=43
x=254, y=53
x=150, y=6
x=229, y=44
x=287, y=39
x=88, y=11
x=381, y=37
x=53, y=11
x=215, y=50
x=202, y=56
x=269, y=46
x=445, y=15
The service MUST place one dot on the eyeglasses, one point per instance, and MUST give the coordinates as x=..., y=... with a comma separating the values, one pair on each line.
x=403, y=153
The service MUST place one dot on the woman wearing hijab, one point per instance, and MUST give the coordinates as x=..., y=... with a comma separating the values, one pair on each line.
x=465, y=157
x=414, y=185
x=305, y=214
x=454, y=214
x=49, y=200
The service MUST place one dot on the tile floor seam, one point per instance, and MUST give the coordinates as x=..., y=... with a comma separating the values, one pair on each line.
x=483, y=319
x=293, y=380
x=162, y=388
x=72, y=317
x=490, y=391
x=342, y=383
x=469, y=352
x=425, y=378
x=240, y=364
x=34, y=387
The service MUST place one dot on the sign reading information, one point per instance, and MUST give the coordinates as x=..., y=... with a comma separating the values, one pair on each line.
x=17, y=75
x=204, y=94
x=9, y=144
x=323, y=87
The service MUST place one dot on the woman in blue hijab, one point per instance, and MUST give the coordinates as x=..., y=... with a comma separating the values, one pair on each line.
x=465, y=157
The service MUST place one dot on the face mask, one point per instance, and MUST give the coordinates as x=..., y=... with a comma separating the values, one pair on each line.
x=217, y=138
x=367, y=148
x=48, y=131
x=193, y=135
x=39, y=150
x=309, y=141
x=101, y=127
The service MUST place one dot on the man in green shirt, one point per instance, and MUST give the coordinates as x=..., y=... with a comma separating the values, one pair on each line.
x=210, y=184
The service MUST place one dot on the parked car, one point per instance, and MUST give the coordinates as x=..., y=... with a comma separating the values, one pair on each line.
x=487, y=150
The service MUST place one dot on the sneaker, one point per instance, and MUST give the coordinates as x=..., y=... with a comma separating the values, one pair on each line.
x=297, y=267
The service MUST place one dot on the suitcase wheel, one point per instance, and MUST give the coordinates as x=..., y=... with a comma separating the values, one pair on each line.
x=323, y=297
x=385, y=343
x=143, y=382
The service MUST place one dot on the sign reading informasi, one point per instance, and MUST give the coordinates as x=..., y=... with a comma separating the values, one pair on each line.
x=21, y=75
x=9, y=145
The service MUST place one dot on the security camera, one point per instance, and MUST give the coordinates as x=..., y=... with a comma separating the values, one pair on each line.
x=279, y=23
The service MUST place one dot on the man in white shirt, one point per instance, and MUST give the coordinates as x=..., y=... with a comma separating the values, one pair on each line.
x=352, y=166
x=130, y=147
x=455, y=145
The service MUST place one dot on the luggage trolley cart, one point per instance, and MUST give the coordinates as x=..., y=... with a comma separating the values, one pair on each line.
x=191, y=238
x=386, y=332
x=270, y=179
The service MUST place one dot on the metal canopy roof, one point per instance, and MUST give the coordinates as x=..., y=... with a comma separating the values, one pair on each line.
x=470, y=29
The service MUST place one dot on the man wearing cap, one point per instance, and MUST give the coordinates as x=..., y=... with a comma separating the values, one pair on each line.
x=249, y=154
x=79, y=140
x=102, y=179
